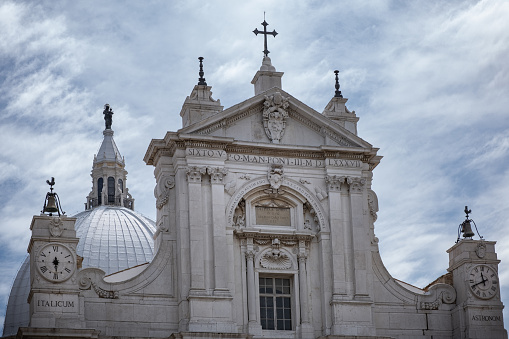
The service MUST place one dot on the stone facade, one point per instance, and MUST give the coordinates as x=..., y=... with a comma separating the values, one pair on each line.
x=265, y=229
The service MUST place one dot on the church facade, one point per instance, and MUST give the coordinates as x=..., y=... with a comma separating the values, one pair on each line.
x=265, y=229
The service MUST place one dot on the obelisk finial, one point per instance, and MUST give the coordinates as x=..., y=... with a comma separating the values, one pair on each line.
x=338, y=92
x=201, y=79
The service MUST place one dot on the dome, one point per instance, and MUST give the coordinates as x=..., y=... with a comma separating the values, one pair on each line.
x=112, y=238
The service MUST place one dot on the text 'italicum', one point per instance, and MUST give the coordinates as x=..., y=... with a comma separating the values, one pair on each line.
x=55, y=303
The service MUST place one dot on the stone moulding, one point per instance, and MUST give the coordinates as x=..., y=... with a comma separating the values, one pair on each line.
x=437, y=295
x=86, y=281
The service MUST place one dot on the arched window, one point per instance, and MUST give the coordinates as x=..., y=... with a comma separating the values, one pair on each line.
x=99, y=190
x=111, y=190
x=121, y=185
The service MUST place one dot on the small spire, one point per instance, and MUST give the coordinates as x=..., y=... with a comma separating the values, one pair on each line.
x=108, y=113
x=338, y=92
x=201, y=79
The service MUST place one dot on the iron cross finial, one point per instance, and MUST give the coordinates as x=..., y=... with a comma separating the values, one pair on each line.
x=201, y=79
x=338, y=92
x=265, y=33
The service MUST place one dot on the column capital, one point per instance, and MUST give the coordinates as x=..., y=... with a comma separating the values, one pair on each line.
x=217, y=174
x=194, y=173
x=357, y=184
x=250, y=254
x=334, y=182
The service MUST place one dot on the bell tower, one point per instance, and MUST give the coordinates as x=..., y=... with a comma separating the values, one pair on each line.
x=474, y=267
x=54, y=293
x=108, y=172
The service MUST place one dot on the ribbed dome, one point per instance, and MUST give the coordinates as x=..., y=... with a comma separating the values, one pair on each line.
x=112, y=238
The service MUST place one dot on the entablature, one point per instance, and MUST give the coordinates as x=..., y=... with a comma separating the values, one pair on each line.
x=174, y=141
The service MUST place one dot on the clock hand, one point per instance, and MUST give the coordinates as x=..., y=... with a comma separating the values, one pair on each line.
x=480, y=282
x=55, y=262
x=483, y=279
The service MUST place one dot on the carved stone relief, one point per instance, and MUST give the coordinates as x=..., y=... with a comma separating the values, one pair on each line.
x=320, y=193
x=56, y=227
x=274, y=116
x=162, y=190
x=240, y=214
x=311, y=221
x=275, y=258
x=229, y=187
x=481, y=249
x=373, y=204
x=275, y=177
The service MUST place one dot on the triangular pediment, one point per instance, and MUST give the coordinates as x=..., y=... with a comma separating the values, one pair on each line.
x=303, y=126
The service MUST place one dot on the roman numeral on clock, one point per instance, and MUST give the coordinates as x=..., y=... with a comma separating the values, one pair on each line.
x=55, y=276
x=68, y=270
x=44, y=269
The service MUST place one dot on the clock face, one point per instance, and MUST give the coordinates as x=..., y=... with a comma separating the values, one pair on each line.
x=55, y=262
x=483, y=281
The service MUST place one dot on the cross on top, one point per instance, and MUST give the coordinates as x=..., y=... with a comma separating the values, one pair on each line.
x=265, y=33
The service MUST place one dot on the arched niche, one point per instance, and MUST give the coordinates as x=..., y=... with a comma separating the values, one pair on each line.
x=241, y=209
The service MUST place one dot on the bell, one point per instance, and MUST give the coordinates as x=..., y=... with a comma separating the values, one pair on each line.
x=51, y=206
x=466, y=228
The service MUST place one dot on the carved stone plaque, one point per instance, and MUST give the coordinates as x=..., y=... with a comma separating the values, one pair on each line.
x=276, y=216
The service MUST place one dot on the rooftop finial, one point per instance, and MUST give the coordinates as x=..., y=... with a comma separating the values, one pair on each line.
x=201, y=79
x=265, y=33
x=338, y=92
x=108, y=113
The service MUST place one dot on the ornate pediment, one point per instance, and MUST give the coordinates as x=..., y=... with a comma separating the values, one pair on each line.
x=275, y=117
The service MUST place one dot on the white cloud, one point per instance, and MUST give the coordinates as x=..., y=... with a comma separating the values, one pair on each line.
x=428, y=80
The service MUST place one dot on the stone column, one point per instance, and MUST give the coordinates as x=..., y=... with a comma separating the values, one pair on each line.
x=219, y=245
x=348, y=238
x=304, y=309
x=336, y=234
x=361, y=240
x=194, y=175
x=251, y=293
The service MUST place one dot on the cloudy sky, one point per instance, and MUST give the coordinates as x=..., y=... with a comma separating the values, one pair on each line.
x=428, y=79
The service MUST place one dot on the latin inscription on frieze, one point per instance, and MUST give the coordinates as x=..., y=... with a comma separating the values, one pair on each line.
x=263, y=159
x=274, y=216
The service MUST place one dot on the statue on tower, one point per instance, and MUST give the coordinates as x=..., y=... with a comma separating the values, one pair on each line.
x=108, y=113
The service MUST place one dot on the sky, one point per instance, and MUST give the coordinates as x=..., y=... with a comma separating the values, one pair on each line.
x=429, y=81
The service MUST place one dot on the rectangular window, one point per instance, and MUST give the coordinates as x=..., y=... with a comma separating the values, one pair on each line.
x=275, y=304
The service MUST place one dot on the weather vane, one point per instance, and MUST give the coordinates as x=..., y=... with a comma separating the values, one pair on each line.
x=52, y=201
x=465, y=227
x=265, y=33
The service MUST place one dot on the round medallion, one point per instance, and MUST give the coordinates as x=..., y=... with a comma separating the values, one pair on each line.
x=55, y=262
x=483, y=281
